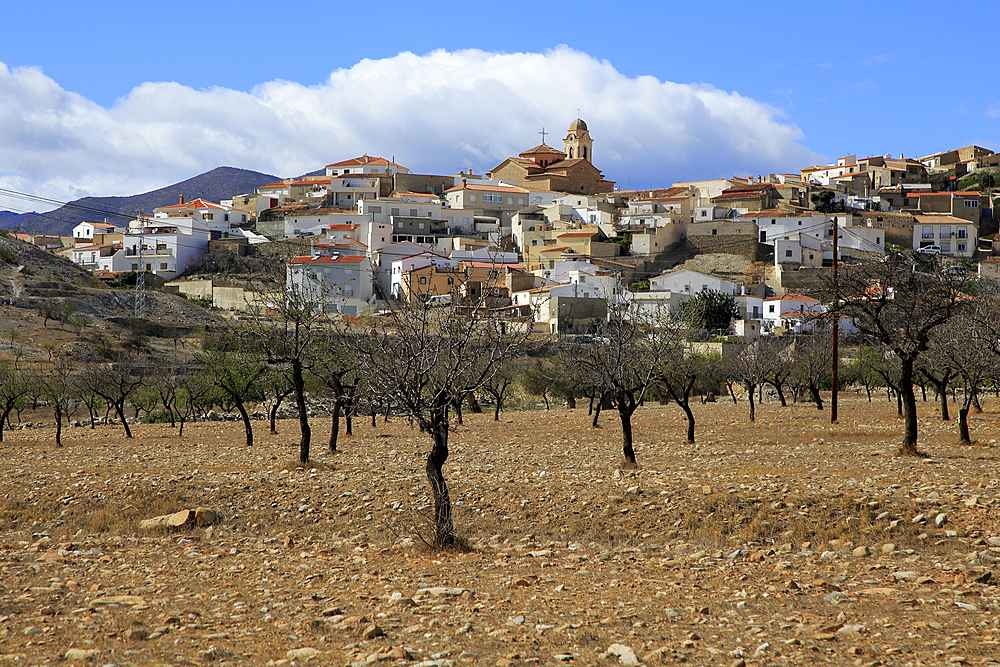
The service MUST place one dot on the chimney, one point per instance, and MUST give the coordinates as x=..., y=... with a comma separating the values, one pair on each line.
x=464, y=182
x=182, y=200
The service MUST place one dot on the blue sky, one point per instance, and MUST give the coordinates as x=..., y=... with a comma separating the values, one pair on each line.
x=116, y=98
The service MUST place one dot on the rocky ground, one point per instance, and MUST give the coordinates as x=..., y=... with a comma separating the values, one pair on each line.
x=790, y=541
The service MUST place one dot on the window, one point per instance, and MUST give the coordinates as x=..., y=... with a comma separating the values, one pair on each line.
x=971, y=203
x=135, y=267
x=472, y=198
x=800, y=223
x=770, y=308
x=423, y=280
x=493, y=199
x=510, y=201
x=704, y=214
x=520, y=200
x=960, y=232
x=209, y=216
x=394, y=211
x=927, y=233
x=163, y=266
x=375, y=209
x=773, y=221
x=960, y=247
x=451, y=281
x=788, y=253
x=413, y=212
x=715, y=232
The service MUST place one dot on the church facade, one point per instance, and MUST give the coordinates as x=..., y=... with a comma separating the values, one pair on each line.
x=546, y=168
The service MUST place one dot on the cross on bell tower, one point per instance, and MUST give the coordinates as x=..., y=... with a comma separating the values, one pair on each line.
x=543, y=133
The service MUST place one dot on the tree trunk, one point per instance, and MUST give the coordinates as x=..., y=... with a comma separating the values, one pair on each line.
x=597, y=412
x=300, y=401
x=120, y=411
x=625, y=411
x=474, y=406
x=496, y=410
x=273, y=414
x=943, y=395
x=444, y=528
x=180, y=431
x=964, y=436
x=908, y=401
x=335, y=425
x=817, y=399
x=750, y=390
x=247, y=425
x=58, y=414
x=781, y=394
x=690, y=418
x=975, y=400
x=571, y=402
x=348, y=413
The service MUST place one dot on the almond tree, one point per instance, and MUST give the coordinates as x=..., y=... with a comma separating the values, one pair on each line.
x=235, y=367
x=15, y=383
x=899, y=304
x=965, y=345
x=622, y=360
x=422, y=360
x=114, y=381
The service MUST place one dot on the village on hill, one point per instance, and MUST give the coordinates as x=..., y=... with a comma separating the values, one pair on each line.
x=545, y=233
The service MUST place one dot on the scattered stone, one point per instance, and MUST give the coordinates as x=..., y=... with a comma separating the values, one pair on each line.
x=888, y=548
x=625, y=654
x=905, y=575
x=77, y=654
x=940, y=519
x=862, y=551
x=304, y=653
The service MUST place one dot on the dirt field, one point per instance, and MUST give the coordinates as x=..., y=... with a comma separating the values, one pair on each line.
x=784, y=542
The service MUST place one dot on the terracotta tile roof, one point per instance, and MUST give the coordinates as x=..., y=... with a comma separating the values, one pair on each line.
x=341, y=259
x=791, y=296
x=544, y=149
x=489, y=188
x=194, y=205
x=102, y=225
x=491, y=265
x=366, y=160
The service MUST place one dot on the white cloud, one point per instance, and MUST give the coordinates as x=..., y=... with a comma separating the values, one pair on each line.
x=433, y=113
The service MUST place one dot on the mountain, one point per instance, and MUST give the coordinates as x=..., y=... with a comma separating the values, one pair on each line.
x=220, y=183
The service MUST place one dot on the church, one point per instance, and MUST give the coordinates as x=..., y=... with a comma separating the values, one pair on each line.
x=547, y=168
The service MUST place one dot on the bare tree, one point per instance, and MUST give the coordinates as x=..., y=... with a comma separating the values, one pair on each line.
x=422, y=360
x=15, y=383
x=288, y=330
x=899, y=304
x=59, y=385
x=235, y=367
x=623, y=360
x=115, y=382
x=679, y=373
x=748, y=365
x=811, y=362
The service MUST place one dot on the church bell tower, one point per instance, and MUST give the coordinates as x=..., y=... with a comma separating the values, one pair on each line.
x=578, y=143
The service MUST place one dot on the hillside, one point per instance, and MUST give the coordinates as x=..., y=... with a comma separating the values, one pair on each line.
x=220, y=183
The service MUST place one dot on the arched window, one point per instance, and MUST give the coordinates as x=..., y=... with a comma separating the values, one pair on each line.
x=570, y=153
x=584, y=156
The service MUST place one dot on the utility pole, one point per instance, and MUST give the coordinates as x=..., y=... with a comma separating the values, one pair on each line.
x=140, y=274
x=835, y=319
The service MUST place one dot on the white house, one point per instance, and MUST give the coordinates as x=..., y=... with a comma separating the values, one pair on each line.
x=366, y=164
x=85, y=231
x=789, y=310
x=342, y=282
x=687, y=281
x=404, y=265
x=956, y=236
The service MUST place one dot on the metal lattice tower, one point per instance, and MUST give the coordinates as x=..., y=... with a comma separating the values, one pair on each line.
x=140, y=274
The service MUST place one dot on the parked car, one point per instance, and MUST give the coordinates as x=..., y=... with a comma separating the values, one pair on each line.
x=930, y=250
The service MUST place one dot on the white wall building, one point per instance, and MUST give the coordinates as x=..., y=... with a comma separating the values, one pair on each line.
x=343, y=282
x=687, y=281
